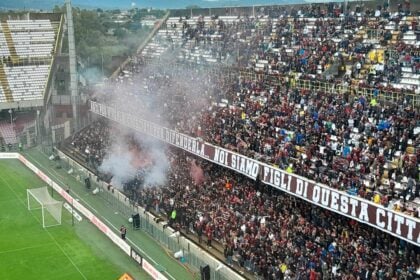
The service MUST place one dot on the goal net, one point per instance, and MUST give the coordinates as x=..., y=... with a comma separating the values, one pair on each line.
x=51, y=209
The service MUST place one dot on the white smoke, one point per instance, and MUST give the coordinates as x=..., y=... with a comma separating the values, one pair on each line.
x=118, y=161
x=156, y=174
x=165, y=95
x=93, y=75
x=124, y=164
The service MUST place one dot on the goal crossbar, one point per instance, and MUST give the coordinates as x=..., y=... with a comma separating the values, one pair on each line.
x=47, y=203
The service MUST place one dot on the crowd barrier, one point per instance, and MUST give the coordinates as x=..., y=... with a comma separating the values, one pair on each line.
x=124, y=246
x=386, y=95
x=194, y=256
x=356, y=208
x=356, y=90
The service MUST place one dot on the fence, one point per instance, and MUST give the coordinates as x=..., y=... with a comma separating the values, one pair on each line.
x=22, y=140
x=194, y=256
x=382, y=95
x=385, y=95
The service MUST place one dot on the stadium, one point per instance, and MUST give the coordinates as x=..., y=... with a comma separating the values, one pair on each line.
x=275, y=141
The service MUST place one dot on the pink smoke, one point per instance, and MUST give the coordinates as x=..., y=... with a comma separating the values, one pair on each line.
x=196, y=173
x=139, y=159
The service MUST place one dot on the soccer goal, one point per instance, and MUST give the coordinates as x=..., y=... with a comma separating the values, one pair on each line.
x=51, y=209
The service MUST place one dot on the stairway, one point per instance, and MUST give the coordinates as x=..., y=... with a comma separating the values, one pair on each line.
x=4, y=82
x=408, y=78
x=9, y=41
x=410, y=38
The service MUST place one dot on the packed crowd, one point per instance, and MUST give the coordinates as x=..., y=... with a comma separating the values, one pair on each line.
x=348, y=142
x=274, y=235
x=352, y=143
x=266, y=231
x=305, y=41
x=92, y=143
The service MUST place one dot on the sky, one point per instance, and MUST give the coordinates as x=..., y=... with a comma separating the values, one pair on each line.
x=125, y=4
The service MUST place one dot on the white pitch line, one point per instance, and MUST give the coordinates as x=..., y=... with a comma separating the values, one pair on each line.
x=24, y=248
x=49, y=234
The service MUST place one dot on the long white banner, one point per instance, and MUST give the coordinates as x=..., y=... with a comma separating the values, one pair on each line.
x=149, y=268
x=387, y=220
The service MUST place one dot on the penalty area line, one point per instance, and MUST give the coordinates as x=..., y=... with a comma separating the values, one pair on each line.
x=25, y=248
x=59, y=180
x=49, y=234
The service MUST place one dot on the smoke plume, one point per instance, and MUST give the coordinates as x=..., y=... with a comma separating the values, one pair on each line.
x=166, y=94
x=196, y=173
x=119, y=162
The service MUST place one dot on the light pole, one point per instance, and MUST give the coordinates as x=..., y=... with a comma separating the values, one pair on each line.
x=102, y=59
x=38, y=127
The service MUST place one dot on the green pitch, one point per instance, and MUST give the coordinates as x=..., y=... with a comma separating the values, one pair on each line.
x=28, y=251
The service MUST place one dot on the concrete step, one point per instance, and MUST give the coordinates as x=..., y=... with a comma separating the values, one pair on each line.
x=411, y=76
x=407, y=81
x=407, y=69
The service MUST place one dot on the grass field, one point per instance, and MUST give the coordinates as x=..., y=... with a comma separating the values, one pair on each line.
x=28, y=251
x=114, y=218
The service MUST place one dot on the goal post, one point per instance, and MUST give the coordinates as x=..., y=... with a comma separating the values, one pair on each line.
x=51, y=209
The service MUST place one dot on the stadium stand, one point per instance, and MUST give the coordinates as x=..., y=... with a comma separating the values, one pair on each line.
x=258, y=229
x=341, y=129
x=34, y=38
x=307, y=45
x=350, y=143
x=7, y=132
x=27, y=49
x=27, y=82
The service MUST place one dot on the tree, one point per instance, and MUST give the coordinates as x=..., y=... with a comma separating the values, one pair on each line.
x=58, y=9
x=95, y=45
x=120, y=33
x=192, y=7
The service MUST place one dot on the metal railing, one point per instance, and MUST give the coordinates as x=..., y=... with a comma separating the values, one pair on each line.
x=356, y=90
x=157, y=231
x=386, y=95
x=193, y=256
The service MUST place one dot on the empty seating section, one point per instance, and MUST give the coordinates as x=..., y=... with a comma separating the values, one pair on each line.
x=27, y=82
x=2, y=96
x=34, y=25
x=4, y=50
x=22, y=43
x=32, y=38
x=34, y=50
x=7, y=133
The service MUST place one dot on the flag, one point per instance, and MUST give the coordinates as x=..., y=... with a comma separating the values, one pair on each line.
x=243, y=115
x=228, y=185
x=373, y=102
